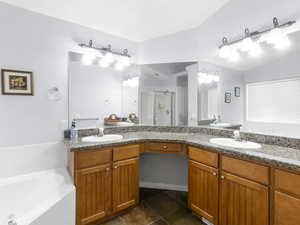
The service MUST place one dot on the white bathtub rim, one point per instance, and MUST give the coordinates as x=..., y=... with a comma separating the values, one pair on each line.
x=46, y=204
x=44, y=207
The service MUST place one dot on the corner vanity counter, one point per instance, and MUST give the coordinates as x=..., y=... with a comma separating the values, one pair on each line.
x=227, y=186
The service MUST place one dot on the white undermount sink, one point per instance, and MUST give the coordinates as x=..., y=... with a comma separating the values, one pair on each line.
x=220, y=124
x=107, y=137
x=229, y=142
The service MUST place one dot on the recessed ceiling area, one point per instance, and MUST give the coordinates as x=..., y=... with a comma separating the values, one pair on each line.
x=136, y=20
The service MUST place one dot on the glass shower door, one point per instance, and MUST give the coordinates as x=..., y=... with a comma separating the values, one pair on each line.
x=163, y=108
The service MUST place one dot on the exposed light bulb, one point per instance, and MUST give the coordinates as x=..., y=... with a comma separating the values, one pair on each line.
x=274, y=35
x=87, y=59
x=204, y=78
x=131, y=82
x=234, y=56
x=103, y=63
x=125, y=60
x=119, y=66
x=216, y=78
x=283, y=43
x=225, y=51
x=246, y=45
x=109, y=58
x=255, y=51
x=89, y=56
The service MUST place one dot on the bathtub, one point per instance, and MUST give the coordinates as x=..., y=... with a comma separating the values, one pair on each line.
x=40, y=198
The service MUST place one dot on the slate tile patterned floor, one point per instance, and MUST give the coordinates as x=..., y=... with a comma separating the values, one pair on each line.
x=158, y=207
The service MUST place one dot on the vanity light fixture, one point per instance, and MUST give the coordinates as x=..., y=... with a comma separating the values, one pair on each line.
x=250, y=43
x=107, y=56
x=206, y=78
x=131, y=82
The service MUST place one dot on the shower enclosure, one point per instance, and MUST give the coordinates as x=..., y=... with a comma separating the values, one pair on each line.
x=157, y=108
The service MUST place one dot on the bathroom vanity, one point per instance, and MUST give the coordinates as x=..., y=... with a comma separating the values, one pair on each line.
x=227, y=186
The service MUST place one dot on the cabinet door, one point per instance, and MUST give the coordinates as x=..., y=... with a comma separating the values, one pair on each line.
x=93, y=193
x=243, y=202
x=203, y=191
x=286, y=209
x=125, y=184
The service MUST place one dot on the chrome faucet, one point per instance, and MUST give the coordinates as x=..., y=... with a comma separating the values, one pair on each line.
x=237, y=135
x=100, y=132
x=216, y=119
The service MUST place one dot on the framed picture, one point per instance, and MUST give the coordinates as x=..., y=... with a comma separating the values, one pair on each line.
x=16, y=82
x=237, y=92
x=227, y=97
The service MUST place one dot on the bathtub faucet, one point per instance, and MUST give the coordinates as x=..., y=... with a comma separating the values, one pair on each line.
x=12, y=220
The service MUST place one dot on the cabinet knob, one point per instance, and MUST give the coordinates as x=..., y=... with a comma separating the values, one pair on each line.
x=214, y=173
x=107, y=169
x=222, y=177
x=116, y=167
x=165, y=147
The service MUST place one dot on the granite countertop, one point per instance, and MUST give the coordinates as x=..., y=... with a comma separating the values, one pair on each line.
x=271, y=154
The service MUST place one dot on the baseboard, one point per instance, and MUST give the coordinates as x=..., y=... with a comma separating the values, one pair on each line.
x=163, y=186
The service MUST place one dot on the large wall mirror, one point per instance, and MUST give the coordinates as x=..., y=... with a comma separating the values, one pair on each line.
x=97, y=92
x=212, y=92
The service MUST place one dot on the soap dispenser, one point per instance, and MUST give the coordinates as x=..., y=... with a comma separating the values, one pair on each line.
x=74, y=132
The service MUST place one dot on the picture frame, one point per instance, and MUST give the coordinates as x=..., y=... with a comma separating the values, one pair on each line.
x=17, y=82
x=227, y=97
x=237, y=92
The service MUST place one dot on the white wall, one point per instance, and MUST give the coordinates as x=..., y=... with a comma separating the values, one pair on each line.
x=33, y=42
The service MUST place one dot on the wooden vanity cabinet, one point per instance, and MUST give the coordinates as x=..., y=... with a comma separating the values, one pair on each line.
x=237, y=193
x=106, y=180
x=93, y=193
x=286, y=198
x=243, y=201
x=203, y=191
x=125, y=184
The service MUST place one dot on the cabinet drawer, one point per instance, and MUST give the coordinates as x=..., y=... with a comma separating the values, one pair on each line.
x=246, y=169
x=164, y=147
x=126, y=152
x=286, y=181
x=205, y=157
x=91, y=158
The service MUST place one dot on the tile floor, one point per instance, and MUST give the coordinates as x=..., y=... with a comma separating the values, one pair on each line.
x=158, y=207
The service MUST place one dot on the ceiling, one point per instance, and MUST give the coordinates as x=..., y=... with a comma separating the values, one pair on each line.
x=136, y=20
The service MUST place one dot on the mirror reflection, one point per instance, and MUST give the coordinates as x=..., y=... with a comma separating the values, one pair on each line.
x=212, y=92
x=164, y=94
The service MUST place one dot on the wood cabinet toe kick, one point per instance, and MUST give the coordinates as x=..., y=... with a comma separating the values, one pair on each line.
x=224, y=190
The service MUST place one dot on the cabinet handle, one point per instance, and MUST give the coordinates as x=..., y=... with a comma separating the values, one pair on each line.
x=165, y=147
x=222, y=177
x=214, y=173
